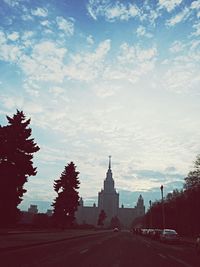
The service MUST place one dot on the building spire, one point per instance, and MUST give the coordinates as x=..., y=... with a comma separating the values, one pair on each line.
x=109, y=166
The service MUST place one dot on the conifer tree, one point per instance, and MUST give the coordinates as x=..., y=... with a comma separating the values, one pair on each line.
x=16, y=154
x=102, y=217
x=67, y=201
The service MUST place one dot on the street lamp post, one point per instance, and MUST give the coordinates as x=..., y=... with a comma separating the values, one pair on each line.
x=163, y=211
x=150, y=211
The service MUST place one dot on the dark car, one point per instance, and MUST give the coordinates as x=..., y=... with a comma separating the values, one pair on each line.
x=169, y=236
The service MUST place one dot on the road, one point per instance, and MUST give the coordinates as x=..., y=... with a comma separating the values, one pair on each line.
x=102, y=250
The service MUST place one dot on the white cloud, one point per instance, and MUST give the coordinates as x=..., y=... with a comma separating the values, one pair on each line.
x=141, y=31
x=39, y=12
x=56, y=90
x=26, y=17
x=195, y=4
x=13, y=36
x=179, y=17
x=121, y=12
x=88, y=66
x=11, y=101
x=45, y=23
x=105, y=89
x=90, y=40
x=45, y=62
x=8, y=52
x=112, y=11
x=66, y=25
x=176, y=47
x=197, y=29
x=169, y=4
x=12, y=3
x=135, y=54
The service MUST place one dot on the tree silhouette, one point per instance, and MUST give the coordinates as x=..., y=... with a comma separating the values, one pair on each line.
x=193, y=177
x=102, y=217
x=67, y=201
x=16, y=154
x=115, y=222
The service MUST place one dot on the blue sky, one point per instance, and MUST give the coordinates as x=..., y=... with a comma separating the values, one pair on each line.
x=99, y=78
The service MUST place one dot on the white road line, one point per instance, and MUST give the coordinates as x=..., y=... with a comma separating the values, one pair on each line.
x=84, y=251
x=180, y=261
x=162, y=256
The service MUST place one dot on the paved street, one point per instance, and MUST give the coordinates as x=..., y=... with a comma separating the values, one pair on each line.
x=102, y=250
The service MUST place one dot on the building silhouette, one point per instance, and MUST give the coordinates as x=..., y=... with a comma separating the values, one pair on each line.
x=108, y=200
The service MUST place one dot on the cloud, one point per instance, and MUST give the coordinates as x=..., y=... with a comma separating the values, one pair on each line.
x=90, y=40
x=88, y=66
x=141, y=31
x=197, y=29
x=195, y=5
x=12, y=3
x=10, y=102
x=56, y=91
x=39, y=12
x=111, y=11
x=169, y=5
x=131, y=63
x=66, y=25
x=180, y=17
x=45, y=63
x=9, y=52
x=13, y=36
x=177, y=47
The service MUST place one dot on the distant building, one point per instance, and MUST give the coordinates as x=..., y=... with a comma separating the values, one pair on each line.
x=49, y=212
x=33, y=209
x=108, y=200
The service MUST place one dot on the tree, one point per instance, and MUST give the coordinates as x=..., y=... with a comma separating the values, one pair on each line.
x=102, y=217
x=193, y=177
x=16, y=154
x=67, y=201
x=115, y=222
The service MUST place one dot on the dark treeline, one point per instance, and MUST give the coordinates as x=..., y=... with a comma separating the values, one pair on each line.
x=181, y=208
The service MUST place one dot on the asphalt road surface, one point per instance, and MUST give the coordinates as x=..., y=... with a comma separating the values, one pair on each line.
x=109, y=249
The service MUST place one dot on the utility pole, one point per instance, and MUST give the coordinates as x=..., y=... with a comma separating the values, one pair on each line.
x=150, y=213
x=163, y=211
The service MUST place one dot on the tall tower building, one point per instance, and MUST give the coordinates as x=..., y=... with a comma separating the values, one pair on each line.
x=108, y=198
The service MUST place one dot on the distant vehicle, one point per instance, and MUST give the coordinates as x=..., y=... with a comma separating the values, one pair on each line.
x=156, y=234
x=169, y=236
x=115, y=230
x=197, y=245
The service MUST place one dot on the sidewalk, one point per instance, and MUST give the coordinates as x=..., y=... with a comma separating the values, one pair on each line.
x=14, y=240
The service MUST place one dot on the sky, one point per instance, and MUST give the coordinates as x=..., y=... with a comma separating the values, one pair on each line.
x=100, y=78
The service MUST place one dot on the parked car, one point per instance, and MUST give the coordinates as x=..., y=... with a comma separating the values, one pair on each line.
x=197, y=245
x=169, y=236
x=115, y=230
x=156, y=234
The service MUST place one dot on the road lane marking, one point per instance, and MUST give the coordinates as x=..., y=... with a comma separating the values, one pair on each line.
x=162, y=256
x=84, y=251
x=180, y=261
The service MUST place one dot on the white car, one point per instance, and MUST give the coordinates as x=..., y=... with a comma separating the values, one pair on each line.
x=169, y=236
